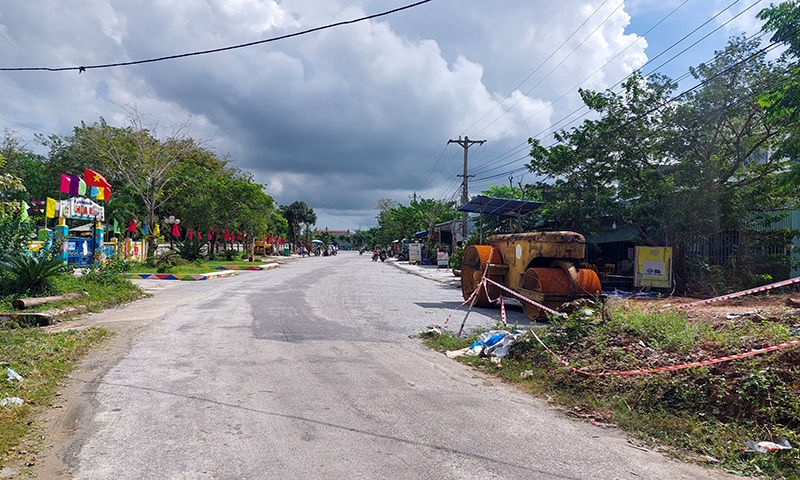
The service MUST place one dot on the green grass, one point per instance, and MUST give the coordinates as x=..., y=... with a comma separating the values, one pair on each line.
x=700, y=413
x=105, y=288
x=195, y=267
x=43, y=360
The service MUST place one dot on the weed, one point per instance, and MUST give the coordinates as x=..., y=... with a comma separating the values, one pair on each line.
x=43, y=360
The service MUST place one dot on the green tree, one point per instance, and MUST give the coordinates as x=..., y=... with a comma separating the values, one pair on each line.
x=298, y=215
x=678, y=169
x=145, y=162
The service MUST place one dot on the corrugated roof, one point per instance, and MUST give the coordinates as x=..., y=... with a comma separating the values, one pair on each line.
x=499, y=206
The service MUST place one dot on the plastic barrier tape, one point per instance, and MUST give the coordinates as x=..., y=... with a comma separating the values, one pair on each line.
x=526, y=299
x=782, y=283
x=669, y=368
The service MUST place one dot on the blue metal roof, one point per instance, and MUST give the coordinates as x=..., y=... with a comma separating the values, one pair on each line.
x=499, y=206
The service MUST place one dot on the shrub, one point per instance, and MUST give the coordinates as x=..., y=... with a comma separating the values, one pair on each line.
x=190, y=250
x=32, y=272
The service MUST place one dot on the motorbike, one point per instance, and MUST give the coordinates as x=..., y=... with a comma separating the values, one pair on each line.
x=361, y=251
x=382, y=255
x=375, y=255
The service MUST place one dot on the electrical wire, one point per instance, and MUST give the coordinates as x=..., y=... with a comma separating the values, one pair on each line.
x=540, y=65
x=84, y=68
x=583, y=107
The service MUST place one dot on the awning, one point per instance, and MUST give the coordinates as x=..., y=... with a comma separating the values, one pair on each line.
x=499, y=206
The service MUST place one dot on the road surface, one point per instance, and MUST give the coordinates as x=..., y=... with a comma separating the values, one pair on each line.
x=313, y=371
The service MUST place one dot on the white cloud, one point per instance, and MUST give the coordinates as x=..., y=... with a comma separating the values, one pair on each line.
x=338, y=118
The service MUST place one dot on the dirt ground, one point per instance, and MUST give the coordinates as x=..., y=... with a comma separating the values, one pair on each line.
x=766, y=305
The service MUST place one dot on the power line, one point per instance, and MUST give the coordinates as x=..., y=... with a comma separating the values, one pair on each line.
x=752, y=94
x=540, y=65
x=582, y=107
x=83, y=68
x=552, y=69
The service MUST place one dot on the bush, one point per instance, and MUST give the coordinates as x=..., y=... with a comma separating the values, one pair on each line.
x=31, y=272
x=190, y=250
x=229, y=255
x=164, y=262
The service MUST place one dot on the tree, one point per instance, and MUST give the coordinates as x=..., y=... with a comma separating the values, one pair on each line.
x=145, y=162
x=677, y=169
x=783, y=98
x=298, y=214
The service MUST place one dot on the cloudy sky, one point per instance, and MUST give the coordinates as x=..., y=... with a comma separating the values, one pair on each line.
x=343, y=117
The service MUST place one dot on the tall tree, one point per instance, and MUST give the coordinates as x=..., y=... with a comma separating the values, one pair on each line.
x=298, y=214
x=146, y=163
x=678, y=169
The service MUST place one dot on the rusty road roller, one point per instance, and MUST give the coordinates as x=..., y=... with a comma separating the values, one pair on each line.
x=536, y=265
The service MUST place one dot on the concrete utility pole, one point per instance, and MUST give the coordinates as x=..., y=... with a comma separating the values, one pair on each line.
x=465, y=190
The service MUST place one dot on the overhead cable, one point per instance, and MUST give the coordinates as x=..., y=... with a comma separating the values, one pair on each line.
x=83, y=68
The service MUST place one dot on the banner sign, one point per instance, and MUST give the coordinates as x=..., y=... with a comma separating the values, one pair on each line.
x=653, y=267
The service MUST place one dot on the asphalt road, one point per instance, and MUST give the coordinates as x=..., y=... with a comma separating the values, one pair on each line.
x=309, y=371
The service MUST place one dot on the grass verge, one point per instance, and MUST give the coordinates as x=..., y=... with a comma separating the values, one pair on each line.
x=43, y=360
x=194, y=267
x=702, y=414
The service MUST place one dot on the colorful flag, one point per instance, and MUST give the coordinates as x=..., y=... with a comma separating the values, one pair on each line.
x=23, y=213
x=74, y=185
x=94, y=179
x=65, y=183
x=132, y=226
x=157, y=230
x=227, y=235
x=94, y=191
x=175, y=231
x=116, y=226
x=191, y=234
x=50, y=208
x=145, y=229
x=81, y=187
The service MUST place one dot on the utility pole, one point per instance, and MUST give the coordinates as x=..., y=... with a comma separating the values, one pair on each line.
x=413, y=196
x=465, y=190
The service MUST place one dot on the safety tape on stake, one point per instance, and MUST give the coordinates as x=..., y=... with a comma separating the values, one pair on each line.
x=669, y=368
x=782, y=283
x=526, y=299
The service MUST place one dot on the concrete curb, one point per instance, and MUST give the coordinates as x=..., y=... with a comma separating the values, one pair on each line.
x=444, y=277
x=187, y=277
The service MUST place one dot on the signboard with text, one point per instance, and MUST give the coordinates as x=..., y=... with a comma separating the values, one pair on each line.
x=653, y=267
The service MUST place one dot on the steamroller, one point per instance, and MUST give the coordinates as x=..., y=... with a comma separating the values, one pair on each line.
x=536, y=265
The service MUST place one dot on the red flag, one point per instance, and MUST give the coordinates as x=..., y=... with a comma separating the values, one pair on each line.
x=209, y=237
x=132, y=226
x=65, y=181
x=94, y=179
x=270, y=239
x=227, y=235
x=175, y=232
x=191, y=234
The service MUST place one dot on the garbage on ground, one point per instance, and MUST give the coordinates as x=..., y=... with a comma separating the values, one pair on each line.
x=755, y=313
x=622, y=294
x=526, y=374
x=494, y=343
x=764, y=447
x=432, y=330
x=12, y=375
x=11, y=401
x=604, y=425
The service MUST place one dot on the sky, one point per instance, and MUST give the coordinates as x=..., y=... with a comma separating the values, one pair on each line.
x=344, y=117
